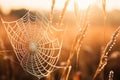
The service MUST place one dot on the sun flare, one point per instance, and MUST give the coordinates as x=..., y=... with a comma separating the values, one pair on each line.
x=83, y=4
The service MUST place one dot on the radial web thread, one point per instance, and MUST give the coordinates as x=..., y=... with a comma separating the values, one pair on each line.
x=37, y=53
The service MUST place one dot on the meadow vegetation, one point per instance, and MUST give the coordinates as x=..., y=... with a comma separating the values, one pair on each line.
x=90, y=50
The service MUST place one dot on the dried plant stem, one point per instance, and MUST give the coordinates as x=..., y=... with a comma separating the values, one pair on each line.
x=80, y=40
x=104, y=6
x=104, y=58
x=76, y=10
x=51, y=12
x=84, y=25
x=63, y=12
x=104, y=11
x=69, y=69
x=70, y=57
x=80, y=20
x=111, y=75
x=76, y=44
x=107, y=50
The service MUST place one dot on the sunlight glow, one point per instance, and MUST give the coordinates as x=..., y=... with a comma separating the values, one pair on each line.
x=83, y=4
x=7, y=5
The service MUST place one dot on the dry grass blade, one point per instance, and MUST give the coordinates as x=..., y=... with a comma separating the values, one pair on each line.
x=80, y=40
x=104, y=6
x=105, y=14
x=51, y=13
x=107, y=50
x=76, y=9
x=76, y=44
x=81, y=34
x=111, y=75
x=68, y=72
x=63, y=12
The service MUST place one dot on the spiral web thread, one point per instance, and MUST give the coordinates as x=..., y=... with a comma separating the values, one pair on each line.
x=37, y=53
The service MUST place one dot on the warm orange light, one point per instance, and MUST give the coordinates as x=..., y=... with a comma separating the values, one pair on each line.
x=83, y=4
x=7, y=5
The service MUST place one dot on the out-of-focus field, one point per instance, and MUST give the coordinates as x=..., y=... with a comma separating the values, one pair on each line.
x=93, y=44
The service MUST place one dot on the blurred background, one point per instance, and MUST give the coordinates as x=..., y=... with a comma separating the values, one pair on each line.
x=96, y=39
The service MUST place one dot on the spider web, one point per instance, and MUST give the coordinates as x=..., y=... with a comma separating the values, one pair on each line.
x=37, y=51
